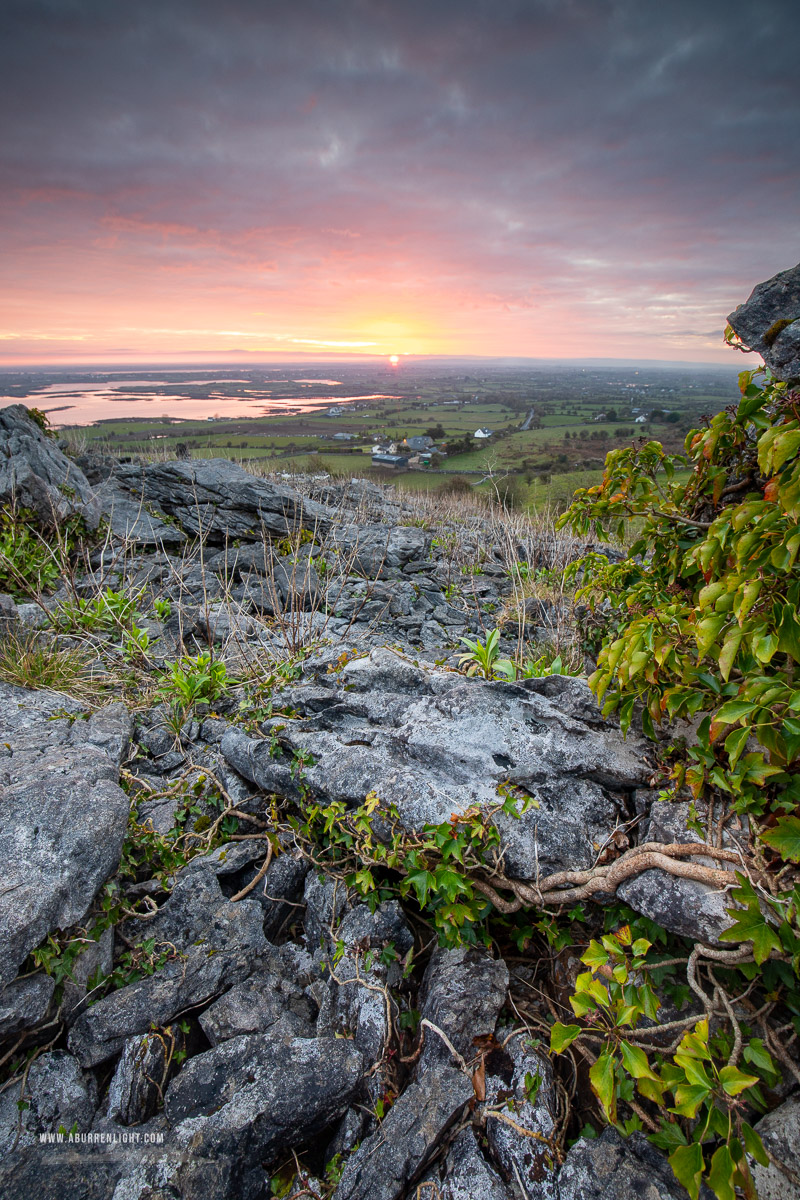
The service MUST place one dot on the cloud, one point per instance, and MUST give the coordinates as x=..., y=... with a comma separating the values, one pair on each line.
x=527, y=172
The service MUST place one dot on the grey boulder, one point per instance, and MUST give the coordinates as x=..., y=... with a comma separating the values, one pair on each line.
x=435, y=743
x=780, y=1133
x=467, y=1175
x=253, y=1097
x=615, y=1168
x=64, y=814
x=265, y=1002
x=769, y=323
x=517, y=1071
x=462, y=993
x=58, y=1095
x=139, y=1079
x=36, y=475
x=396, y=1154
x=24, y=1002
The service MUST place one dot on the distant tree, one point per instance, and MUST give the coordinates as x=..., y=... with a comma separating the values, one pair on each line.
x=436, y=431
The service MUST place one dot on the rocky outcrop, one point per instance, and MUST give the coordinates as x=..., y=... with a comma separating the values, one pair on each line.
x=769, y=323
x=258, y=1007
x=213, y=498
x=36, y=476
x=433, y=744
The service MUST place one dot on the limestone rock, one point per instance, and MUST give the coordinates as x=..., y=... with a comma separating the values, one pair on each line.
x=212, y=944
x=372, y=549
x=24, y=1002
x=769, y=322
x=64, y=815
x=58, y=1093
x=613, y=1168
x=139, y=1079
x=36, y=475
x=251, y=1098
x=684, y=906
x=780, y=1133
x=517, y=1071
x=265, y=1003
x=397, y=1153
x=467, y=1175
x=434, y=743
x=217, y=499
x=462, y=993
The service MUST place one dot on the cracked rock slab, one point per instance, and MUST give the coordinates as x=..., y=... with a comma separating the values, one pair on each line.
x=613, y=1168
x=434, y=743
x=218, y=499
x=64, y=814
x=212, y=944
x=396, y=1154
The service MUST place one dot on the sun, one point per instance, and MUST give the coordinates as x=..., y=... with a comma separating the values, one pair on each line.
x=394, y=359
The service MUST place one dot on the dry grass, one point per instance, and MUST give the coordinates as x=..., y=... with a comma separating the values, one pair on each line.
x=38, y=661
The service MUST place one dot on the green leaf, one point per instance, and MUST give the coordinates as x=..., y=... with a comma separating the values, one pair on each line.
x=687, y=1166
x=751, y=926
x=753, y=1144
x=733, y=710
x=735, y=1081
x=602, y=1078
x=789, y=633
x=562, y=1036
x=785, y=838
x=688, y=1099
x=735, y=743
x=729, y=651
x=635, y=1061
x=720, y=1174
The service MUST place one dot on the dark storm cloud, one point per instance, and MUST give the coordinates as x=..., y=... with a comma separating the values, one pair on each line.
x=527, y=150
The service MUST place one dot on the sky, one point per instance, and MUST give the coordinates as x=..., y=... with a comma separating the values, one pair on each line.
x=193, y=181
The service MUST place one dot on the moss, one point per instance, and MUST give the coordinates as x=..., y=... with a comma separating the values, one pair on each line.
x=776, y=329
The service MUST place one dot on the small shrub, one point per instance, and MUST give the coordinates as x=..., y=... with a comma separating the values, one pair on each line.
x=456, y=485
x=195, y=678
x=29, y=566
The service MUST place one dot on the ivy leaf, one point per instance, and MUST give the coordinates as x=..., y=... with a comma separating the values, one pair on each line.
x=735, y=1081
x=753, y=1144
x=687, y=1166
x=750, y=926
x=720, y=1175
x=735, y=743
x=733, y=710
x=785, y=838
x=688, y=1099
x=635, y=1061
x=562, y=1036
x=602, y=1080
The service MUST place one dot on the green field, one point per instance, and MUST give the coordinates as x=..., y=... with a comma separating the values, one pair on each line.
x=578, y=416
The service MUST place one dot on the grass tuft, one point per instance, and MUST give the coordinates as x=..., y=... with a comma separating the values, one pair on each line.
x=33, y=660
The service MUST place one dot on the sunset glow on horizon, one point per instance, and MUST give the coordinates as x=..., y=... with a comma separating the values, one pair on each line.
x=185, y=183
